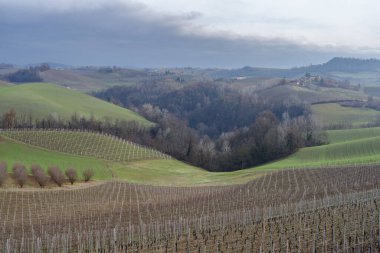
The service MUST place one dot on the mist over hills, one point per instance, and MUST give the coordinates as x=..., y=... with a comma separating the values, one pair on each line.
x=336, y=64
x=356, y=70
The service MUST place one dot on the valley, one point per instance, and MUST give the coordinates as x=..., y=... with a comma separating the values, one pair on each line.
x=181, y=161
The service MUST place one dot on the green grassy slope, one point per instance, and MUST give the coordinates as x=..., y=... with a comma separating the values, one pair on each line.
x=346, y=147
x=174, y=172
x=310, y=95
x=86, y=144
x=44, y=99
x=332, y=114
x=155, y=171
x=12, y=152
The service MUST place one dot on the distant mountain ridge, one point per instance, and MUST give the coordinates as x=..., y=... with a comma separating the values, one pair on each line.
x=337, y=64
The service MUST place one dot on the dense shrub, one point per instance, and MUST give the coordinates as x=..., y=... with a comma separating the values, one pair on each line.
x=20, y=174
x=56, y=175
x=3, y=172
x=71, y=174
x=88, y=174
x=39, y=175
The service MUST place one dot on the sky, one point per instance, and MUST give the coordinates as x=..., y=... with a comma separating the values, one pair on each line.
x=188, y=33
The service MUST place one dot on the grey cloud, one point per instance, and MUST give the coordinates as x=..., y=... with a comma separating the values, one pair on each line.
x=133, y=35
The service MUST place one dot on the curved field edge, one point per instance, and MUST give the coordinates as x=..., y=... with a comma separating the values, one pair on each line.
x=149, y=172
x=41, y=100
x=347, y=147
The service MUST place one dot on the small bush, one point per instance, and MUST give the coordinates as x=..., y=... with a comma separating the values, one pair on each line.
x=39, y=175
x=71, y=174
x=56, y=175
x=88, y=174
x=3, y=172
x=20, y=174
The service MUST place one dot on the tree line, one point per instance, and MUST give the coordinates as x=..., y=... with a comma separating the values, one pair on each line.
x=31, y=74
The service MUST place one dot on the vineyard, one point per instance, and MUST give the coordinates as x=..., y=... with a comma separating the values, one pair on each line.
x=310, y=210
x=83, y=143
x=345, y=148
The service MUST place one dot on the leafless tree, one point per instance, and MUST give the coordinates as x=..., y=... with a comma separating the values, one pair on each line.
x=88, y=174
x=20, y=174
x=9, y=119
x=56, y=175
x=71, y=174
x=39, y=175
x=3, y=172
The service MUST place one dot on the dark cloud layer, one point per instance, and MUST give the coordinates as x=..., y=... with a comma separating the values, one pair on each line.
x=133, y=35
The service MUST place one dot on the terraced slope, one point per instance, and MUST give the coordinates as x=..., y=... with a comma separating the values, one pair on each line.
x=44, y=99
x=90, y=144
x=346, y=147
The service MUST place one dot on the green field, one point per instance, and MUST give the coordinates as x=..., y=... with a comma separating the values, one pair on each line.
x=83, y=143
x=346, y=147
x=310, y=95
x=13, y=152
x=44, y=99
x=155, y=172
x=334, y=114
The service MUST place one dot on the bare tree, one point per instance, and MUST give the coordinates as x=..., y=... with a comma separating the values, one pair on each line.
x=56, y=175
x=3, y=172
x=88, y=174
x=71, y=174
x=39, y=175
x=9, y=119
x=20, y=174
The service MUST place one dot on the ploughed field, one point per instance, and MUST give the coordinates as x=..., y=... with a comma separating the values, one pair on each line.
x=314, y=210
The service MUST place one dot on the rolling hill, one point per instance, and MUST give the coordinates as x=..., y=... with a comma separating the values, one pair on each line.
x=103, y=154
x=44, y=99
x=310, y=95
x=347, y=147
x=12, y=152
x=82, y=143
x=351, y=66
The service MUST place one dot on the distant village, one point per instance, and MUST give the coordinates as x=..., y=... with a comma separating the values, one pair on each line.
x=309, y=80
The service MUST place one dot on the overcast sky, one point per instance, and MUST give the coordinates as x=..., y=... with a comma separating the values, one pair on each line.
x=196, y=33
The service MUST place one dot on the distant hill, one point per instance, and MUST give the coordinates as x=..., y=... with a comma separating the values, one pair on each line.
x=53, y=65
x=337, y=64
x=45, y=99
x=340, y=64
